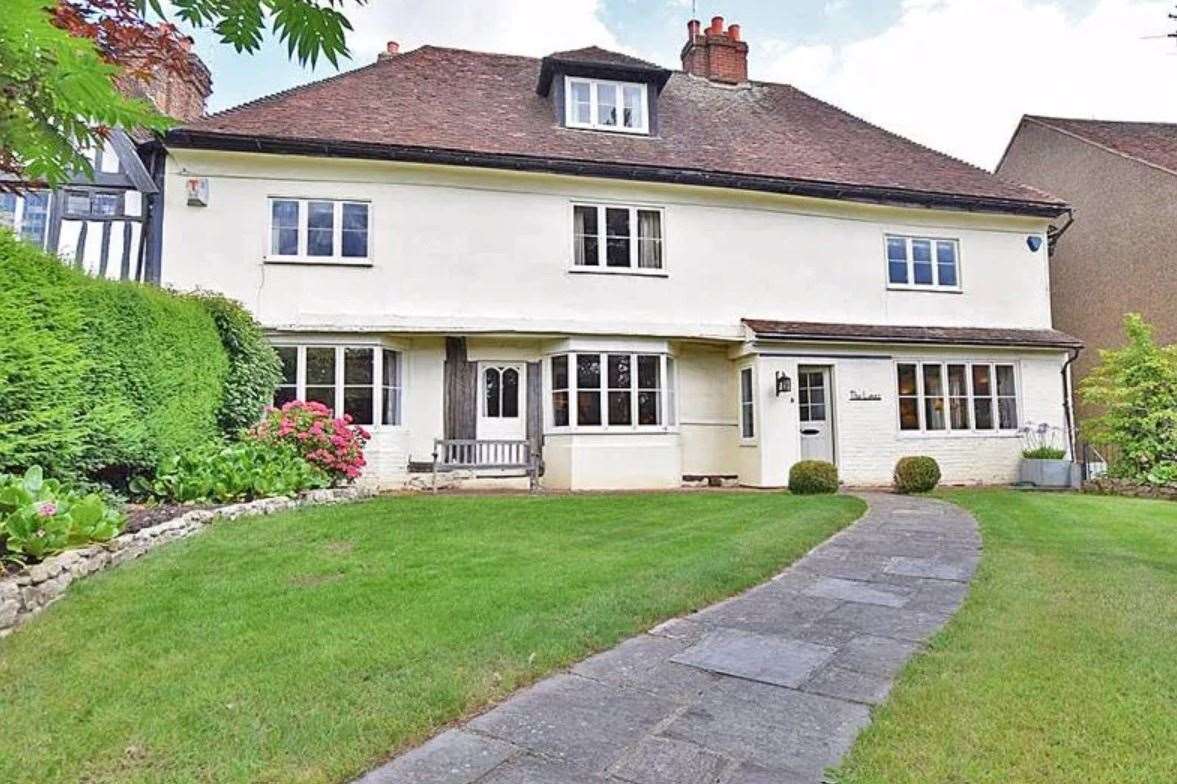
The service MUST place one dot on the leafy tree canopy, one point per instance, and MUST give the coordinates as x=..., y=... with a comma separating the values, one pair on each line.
x=62, y=64
x=1136, y=388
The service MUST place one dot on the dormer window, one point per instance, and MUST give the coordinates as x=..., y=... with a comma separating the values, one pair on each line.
x=605, y=105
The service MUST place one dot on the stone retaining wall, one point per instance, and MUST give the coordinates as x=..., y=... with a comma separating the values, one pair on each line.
x=34, y=588
x=1105, y=485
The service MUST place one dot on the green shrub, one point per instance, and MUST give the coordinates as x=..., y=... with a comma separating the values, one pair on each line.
x=100, y=379
x=40, y=517
x=918, y=474
x=239, y=471
x=1136, y=388
x=810, y=477
x=254, y=367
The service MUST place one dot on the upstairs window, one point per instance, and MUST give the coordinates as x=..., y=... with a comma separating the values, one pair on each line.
x=605, y=106
x=614, y=238
x=318, y=230
x=957, y=396
x=923, y=263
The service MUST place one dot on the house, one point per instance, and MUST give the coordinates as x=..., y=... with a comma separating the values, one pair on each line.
x=645, y=274
x=1120, y=256
x=108, y=223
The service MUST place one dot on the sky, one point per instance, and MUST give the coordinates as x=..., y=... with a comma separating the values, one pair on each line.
x=955, y=75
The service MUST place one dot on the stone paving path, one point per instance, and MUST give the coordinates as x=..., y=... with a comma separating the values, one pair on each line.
x=769, y=687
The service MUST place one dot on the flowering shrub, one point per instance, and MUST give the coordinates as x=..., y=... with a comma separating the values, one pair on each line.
x=40, y=517
x=333, y=444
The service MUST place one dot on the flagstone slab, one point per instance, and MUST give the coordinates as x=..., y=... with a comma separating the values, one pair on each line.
x=757, y=657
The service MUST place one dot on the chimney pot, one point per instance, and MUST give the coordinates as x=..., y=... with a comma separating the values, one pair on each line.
x=733, y=32
x=391, y=49
x=716, y=25
x=692, y=29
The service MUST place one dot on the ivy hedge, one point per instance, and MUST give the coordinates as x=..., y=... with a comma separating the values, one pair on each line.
x=104, y=379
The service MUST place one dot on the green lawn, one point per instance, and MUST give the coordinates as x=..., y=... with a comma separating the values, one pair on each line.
x=1062, y=665
x=308, y=646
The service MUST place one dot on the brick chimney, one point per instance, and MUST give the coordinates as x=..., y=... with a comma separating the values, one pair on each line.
x=182, y=96
x=715, y=53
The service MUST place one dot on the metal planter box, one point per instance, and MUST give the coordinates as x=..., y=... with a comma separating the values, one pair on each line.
x=1046, y=473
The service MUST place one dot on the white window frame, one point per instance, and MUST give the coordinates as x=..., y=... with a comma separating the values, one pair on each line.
x=747, y=440
x=601, y=268
x=665, y=398
x=595, y=85
x=378, y=350
x=949, y=431
x=301, y=257
x=911, y=285
x=18, y=217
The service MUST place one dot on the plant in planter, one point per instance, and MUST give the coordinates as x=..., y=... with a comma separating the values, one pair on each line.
x=1044, y=457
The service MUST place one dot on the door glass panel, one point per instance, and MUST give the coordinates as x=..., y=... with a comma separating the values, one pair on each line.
x=491, y=393
x=510, y=379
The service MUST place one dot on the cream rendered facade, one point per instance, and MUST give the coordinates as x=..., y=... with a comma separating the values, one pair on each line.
x=488, y=255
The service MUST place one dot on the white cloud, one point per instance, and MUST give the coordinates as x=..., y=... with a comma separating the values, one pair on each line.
x=958, y=74
x=529, y=27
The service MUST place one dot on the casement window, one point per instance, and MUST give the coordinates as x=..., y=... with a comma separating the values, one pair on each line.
x=612, y=391
x=363, y=381
x=747, y=405
x=318, y=230
x=923, y=262
x=613, y=238
x=91, y=204
x=957, y=396
x=26, y=214
x=605, y=106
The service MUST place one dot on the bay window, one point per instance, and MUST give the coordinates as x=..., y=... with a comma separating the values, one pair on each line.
x=612, y=238
x=611, y=390
x=318, y=230
x=362, y=381
x=957, y=397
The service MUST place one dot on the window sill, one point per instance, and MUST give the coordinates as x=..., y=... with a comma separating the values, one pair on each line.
x=925, y=434
x=585, y=269
x=596, y=430
x=607, y=129
x=323, y=262
x=917, y=287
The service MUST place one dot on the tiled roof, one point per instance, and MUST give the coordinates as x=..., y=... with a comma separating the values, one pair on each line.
x=881, y=333
x=473, y=106
x=1152, y=142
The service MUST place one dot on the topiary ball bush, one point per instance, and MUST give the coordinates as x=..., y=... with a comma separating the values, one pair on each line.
x=810, y=477
x=917, y=474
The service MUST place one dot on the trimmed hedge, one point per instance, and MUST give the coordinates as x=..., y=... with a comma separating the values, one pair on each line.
x=918, y=474
x=810, y=477
x=254, y=367
x=98, y=378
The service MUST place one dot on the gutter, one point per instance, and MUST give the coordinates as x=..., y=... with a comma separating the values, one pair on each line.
x=195, y=139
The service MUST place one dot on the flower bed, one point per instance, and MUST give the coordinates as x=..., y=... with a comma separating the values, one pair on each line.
x=35, y=587
x=1106, y=485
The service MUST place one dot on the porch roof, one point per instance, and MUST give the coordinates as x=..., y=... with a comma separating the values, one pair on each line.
x=889, y=333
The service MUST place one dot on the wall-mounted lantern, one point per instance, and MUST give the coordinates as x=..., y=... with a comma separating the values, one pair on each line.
x=1034, y=242
x=784, y=384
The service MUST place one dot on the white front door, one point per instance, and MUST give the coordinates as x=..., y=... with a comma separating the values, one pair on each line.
x=816, y=413
x=501, y=400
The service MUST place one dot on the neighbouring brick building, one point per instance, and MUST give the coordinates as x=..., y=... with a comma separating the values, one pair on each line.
x=1120, y=254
